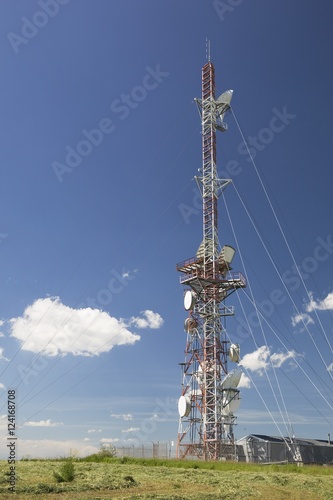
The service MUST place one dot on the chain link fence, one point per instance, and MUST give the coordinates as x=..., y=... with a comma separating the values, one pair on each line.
x=154, y=450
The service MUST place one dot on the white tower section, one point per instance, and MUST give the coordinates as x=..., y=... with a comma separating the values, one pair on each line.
x=209, y=394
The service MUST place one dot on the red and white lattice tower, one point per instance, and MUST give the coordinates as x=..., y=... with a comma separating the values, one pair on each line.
x=209, y=392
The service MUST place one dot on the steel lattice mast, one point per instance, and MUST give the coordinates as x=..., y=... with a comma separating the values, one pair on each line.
x=209, y=394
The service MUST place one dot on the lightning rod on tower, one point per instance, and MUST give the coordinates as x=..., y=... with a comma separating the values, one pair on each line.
x=209, y=392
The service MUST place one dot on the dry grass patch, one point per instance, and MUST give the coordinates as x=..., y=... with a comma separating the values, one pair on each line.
x=116, y=480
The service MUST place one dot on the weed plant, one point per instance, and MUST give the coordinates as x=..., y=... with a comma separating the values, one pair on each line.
x=66, y=473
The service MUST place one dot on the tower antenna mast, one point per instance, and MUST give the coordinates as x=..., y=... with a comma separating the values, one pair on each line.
x=209, y=393
x=208, y=49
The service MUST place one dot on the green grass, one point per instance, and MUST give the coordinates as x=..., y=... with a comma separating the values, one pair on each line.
x=134, y=479
x=219, y=466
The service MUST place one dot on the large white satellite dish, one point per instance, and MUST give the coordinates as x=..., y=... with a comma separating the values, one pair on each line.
x=230, y=402
x=232, y=380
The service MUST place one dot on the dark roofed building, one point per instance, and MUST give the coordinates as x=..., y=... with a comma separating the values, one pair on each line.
x=266, y=449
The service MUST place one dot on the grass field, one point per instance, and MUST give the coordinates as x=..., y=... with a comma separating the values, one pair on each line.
x=154, y=479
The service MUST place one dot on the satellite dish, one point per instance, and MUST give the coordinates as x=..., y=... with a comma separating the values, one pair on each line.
x=234, y=353
x=225, y=258
x=226, y=428
x=199, y=375
x=189, y=300
x=232, y=380
x=190, y=325
x=227, y=253
x=201, y=250
x=230, y=401
x=184, y=406
x=225, y=98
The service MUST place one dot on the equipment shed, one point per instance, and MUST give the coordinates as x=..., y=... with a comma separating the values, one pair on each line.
x=272, y=449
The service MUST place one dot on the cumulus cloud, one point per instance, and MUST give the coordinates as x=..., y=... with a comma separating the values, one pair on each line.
x=94, y=431
x=278, y=358
x=322, y=305
x=1, y=386
x=245, y=382
x=262, y=358
x=303, y=318
x=109, y=440
x=256, y=361
x=330, y=368
x=150, y=319
x=131, y=429
x=50, y=327
x=43, y=423
x=122, y=416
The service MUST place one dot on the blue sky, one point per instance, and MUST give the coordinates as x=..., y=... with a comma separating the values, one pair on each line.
x=100, y=141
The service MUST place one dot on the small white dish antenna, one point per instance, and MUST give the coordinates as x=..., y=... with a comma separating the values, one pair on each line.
x=234, y=353
x=184, y=406
x=189, y=300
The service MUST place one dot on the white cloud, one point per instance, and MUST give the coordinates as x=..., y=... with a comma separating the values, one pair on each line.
x=86, y=439
x=303, y=318
x=55, y=329
x=48, y=448
x=122, y=416
x=150, y=320
x=256, y=361
x=278, y=358
x=330, y=368
x=129, y=274
x=43, y=423
x=2, y=386
x=325, y=304
x=245, y=382
x=109, y=440
x=94, y=431
x=262, y=358
x=131, y=429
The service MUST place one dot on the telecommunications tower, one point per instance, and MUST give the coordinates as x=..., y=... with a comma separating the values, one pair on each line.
x=209, y=392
